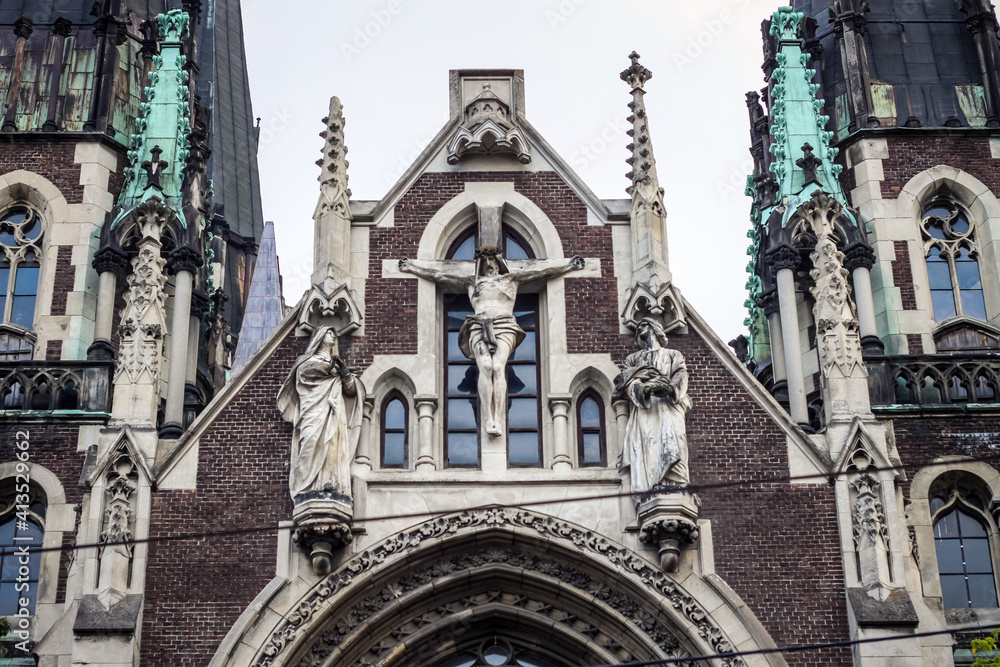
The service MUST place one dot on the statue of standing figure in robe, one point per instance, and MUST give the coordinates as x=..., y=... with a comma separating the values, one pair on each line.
x=654, y=380
x=324, y=400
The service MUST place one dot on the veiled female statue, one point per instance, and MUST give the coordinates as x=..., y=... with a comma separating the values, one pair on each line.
x=325, y=401
x=654, y=380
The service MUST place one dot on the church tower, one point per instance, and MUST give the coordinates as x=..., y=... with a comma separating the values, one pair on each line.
x=874, y=194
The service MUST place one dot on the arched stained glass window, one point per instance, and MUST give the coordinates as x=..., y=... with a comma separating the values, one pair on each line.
x=461, y=410
x=20, y=247
x=964, y=560
x=394, y=431
x=952, y=268
x=21, y=520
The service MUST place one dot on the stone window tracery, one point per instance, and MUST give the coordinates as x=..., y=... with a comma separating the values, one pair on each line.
x=20, y=241
x=498, y=652
x=963, y=530
x=395, y=425
x=952, y=255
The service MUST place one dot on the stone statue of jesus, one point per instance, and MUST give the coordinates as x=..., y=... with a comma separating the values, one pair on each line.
x=492, y=334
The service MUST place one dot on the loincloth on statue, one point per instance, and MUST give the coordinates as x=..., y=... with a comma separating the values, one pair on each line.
x=490, y=330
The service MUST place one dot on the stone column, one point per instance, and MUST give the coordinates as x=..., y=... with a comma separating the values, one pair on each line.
x=61, y=30
x=620, y=406
x=22, y=30
x=426, y=407
x=850, y=26
x=981, y=21
x=183, y=262
x=192, y=398
x=779, y=372
x=111, y=265
x=559, y=405
x=784, y=260
x=859, y=259
x=363, y=456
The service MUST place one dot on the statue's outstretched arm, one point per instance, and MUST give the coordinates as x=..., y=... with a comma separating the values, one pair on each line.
x=434, y=275
x=574, y=264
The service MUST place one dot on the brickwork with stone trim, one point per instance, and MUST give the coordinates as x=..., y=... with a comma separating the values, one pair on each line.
x=243, y=462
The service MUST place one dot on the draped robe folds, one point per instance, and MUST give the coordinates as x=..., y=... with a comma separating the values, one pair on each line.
x=327, y=427
x=655, y=435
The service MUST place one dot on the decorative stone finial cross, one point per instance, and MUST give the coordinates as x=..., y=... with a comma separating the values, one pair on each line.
x=808, y=163
x=636, y=75
x=155, y=167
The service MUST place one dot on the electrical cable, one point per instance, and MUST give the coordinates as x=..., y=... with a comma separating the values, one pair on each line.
x=688, y=488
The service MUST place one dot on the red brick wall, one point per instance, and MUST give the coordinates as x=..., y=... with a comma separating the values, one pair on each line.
x=921, y=440
x=391, y=304
x=54, y=161
x=196, y=589
x=902, y=275
x=64, y=279
x=910, y=155
x=776, y=545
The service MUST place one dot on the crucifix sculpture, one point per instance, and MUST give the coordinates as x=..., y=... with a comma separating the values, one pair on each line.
x=491, y=334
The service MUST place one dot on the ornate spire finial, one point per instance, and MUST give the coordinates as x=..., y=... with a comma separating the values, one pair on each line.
x=636, y=75
x=642, y=162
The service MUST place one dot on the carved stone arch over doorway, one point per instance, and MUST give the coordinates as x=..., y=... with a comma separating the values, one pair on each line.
x=432, y=590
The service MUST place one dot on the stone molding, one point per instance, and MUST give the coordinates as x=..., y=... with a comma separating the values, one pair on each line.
x=312, y=610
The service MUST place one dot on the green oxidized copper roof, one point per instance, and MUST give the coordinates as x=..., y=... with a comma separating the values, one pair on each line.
x=797, y=119
x=158, y=151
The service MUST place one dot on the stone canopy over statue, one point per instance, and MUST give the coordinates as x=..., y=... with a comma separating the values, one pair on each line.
x=654, y=381
x=491, y=334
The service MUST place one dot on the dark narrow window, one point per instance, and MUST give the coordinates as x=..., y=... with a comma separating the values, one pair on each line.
x=20, y=241
x=394, y=431
x=461, y=443
x=964, y=561
x=14, y=534
x=590, y=430
x=524, y=442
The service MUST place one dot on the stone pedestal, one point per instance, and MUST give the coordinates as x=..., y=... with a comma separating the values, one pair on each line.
x=322, y=525
x=668, y=522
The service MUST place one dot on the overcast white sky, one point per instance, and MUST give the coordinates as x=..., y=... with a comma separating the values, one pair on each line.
x=388, y=61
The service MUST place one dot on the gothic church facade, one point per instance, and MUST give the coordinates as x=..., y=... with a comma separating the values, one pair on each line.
x=220, y=480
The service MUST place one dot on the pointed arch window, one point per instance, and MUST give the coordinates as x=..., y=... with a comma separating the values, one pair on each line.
x=952, y=262
x=461, y=410
x=963, y=531
x=590, y=436
x=19, y=574
x=395, y=422
x=20, y=248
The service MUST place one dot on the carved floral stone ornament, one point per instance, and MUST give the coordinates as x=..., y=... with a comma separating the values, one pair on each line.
x=487, y=129
x=322, y=625
x=324, y=400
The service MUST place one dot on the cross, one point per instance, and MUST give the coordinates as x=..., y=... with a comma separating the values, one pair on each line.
x=155, y=167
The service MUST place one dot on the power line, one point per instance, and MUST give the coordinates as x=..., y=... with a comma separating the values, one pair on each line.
x=688, y=488
x=799, y=648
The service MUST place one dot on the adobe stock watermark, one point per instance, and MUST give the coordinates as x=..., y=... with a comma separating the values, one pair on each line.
x=363, y=35
x=711, y=31
x=279, y=121
x=23, y=541
x=611, y=132
x=736, y=184
x=562, y=12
